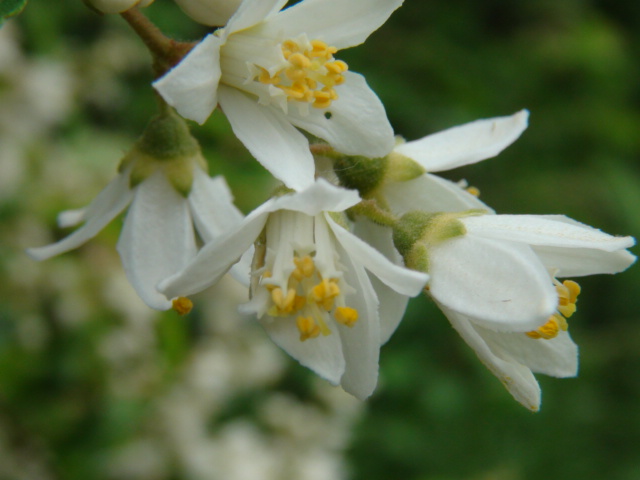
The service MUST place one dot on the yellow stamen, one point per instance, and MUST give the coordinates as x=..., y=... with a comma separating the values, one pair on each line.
x=307, y=327
x=182, y=305
x=473, y=191
x=324, y=293
x=285, y=303
x=304, y=267
x=346, y=316
x=568, y=292
x=310, y=75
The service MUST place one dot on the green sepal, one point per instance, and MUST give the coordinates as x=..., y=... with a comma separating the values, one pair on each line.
x=360, y=173
x=167, y=137
x=10, y=8
x=402, y=168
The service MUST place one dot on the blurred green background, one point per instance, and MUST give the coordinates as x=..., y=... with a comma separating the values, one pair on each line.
x=93, y=385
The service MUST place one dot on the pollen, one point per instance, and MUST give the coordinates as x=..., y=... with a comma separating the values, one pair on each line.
x=310, y=75
x=568, y=292
x=182, y=305
x=346, y=316
x=307, y=327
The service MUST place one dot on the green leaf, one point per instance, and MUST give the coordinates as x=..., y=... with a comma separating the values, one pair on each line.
x=10, y=8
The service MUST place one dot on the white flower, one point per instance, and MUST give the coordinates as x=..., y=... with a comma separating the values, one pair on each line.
x=310, y=288
x=158, y=236
x=455, y=147
x=209, y=12
x=495, y=279
x=274, y=71
x=117, y=6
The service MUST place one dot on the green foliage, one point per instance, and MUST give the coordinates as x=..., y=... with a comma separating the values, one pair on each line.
x=10, y=8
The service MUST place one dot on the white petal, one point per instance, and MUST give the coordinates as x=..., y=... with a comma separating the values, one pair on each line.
x=319, y=197
x=578, y=262
x=270, y=138
x=191, y=87
x=557, y=356
x=241, y=271
x=432, y=194
x=157, y=239
x=215, y=258
x=322, y=354
x=71, y=218
x=465, y=144
x=544, y=231
x=361, y=342
x=212, y=206
x=501, y=285
x=340, y=23
x=517, y=378
x=358, y=123
x=401, y=279
x=105, y=207
x=252, y=12
x=392, y=304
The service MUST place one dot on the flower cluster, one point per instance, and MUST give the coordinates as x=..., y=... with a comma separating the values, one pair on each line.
x=361, y=223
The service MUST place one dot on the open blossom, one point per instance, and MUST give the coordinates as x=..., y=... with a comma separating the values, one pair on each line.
x=452, y=148
x=495, y=277
x=275, y=71
x=310, y=287
x=166, y=198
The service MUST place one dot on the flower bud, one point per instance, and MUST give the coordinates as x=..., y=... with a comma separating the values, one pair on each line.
x=209, y=12
x=116, y=6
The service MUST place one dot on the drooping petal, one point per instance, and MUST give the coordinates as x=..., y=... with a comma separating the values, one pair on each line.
x=556, y=356
x=355, y=124
x=319, y=197
x=501, y=285
x=339, y=23
x=430, y=193
x=544, y=231
x=401, y=279
x=465, y=144
x=578, y=262
x=71, y=218
x=517, y=378
x=270, y=138
x=215, y=258
x=212, y=206
x=251, y=12
x=105, y=207
x=191, y=87
x=322, y=354
x=361, y=342
x=392, y=304
x=157, y=238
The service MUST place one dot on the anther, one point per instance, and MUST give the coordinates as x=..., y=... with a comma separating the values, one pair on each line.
x=307, y=328
x=346, y=316
x=182, y=305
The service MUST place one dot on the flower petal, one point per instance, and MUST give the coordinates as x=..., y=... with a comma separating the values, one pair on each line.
x=270, y=138
x=340, y=23
x=578, y=262
x=212, y=206
x=215, y=258
x=157, y=239
x=465, y=144
x=401, y=279
x=430, y=193
x=500, y=285
x=252, y=12
x=71, y=218
x=544, y=231
x=191, y=87
x=358, y=124
x=105, y=207
x=392, y=304
x=557, y=356
x=361, y=342
x=322, y=354
x=517, y=378
x=319, y=197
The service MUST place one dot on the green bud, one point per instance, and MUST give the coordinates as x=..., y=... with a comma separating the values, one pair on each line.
x=417, y=232
x=165, y=144
x=360, y=173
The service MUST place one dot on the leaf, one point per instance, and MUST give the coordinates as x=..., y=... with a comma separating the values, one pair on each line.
x=10, y=8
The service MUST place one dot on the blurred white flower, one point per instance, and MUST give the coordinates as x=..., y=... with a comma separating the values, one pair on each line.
x=274, y=71
x=209, y=12
x=309, y=285
x=116, y=6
